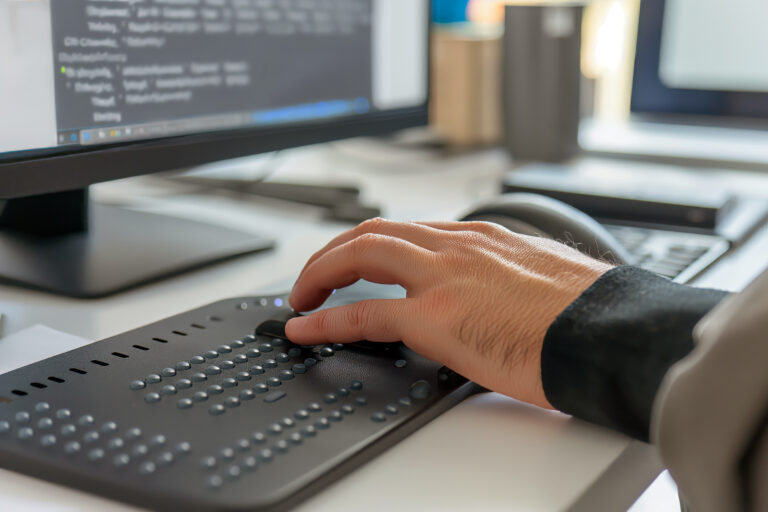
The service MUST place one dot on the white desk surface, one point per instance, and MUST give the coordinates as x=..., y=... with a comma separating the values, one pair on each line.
x=488, y=453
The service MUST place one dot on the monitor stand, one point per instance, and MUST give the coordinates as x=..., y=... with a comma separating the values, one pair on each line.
x=62, y=243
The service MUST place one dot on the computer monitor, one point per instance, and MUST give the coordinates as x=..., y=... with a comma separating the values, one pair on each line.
x=94, y=91
x=701, y=59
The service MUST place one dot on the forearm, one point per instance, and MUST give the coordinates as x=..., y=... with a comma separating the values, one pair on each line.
x=605, y=355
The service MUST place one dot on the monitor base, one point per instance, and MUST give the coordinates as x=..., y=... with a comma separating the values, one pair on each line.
x=119, y=249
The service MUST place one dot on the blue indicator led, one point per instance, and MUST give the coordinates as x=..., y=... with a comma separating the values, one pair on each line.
x=73, y=137
x=279, y=303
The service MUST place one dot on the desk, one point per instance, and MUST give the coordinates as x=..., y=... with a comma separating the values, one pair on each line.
x=489, y=453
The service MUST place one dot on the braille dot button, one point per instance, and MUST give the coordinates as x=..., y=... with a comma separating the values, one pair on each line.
x=256, y=369
x=5, y=427
x=168, y=372
x=295, y=438
x=199, y=377
x=400, y=363
x=310, y=362
x=227, y=453
x=273, y=382
x=140, y=450
x=183, y=366
x=72, y=447
x=63, y=414
x=258, y=437
x=133, y=433
x=91, y=437
x=224, y=349
x=200, y=396
x=391, y=409
x=342, y=391
x=260, y=388
x=356, y=385
x=211, y=354
x=237, y=344
x=197, y=360
x=232, y=402
x=96, y=454
x=323, y=423
x=137, y=385
x=288, y=422
x=68, y=430
x=147, y=468
x=22, y=417
x=122, y=460
x=286, y=375
x=266, y=455
x=233, y=472
x=326, y=352
x=184, y=384
x=330, y=398
x=183, y=448
x=378, y=417
x=44, y=423
x=278, y=342
x=253, y=353
x=299, y=368
x=229, y=382
x=184, y=403
x=361, y=400
x=169, y=390
x=115, y=444
x=249, y=339
x=281, y=446
x=212, y=370
x=347, y=409
x=406, y=401
x=334, y=416
x=243, y=445
x=42, y=407
x=294, y=352
x=240, y=359
x=153, y=378
x=216, y=410
x=215, y=389
x=249, y=463
x=208, y=463
x=420, y=390
x=314, y=407
x=302, y=414
x=265, y=347
x=165, y=459
x=337, y=346
x=214, y=482
x=309, y=431
x=25, y=433
x=158, y=440
x=269, y=363
x=246, y=394
x=275, y=428
x=243, y=376
x=152, y=398
x=227, y=365
x=282, y=357
x=85, y=420
x=48, y=440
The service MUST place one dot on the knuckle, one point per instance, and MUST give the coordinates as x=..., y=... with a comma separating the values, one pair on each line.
x=361, y=245
x=374, y=225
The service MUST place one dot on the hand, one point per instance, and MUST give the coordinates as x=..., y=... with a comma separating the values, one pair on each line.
x=480, y=298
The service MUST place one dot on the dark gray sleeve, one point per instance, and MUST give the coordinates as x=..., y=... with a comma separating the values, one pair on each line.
x=605, y=355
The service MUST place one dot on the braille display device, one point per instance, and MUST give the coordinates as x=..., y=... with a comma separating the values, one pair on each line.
x=214, y=409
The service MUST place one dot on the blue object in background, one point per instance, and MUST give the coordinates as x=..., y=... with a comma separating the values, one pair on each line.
x=449, y=11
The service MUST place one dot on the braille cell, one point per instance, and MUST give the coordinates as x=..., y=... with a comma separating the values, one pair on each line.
x=310, y=362
x=184, y=403
x=347, y=409
x=288, y=422
x=182, y=448
x=281, y=446
x=5, y=427
x=302, y=414
x=309, y=431
x=406, y=401
x=133, y=433
x=140, y=450
x=286, y=375
x=266, y=347
x=260, y=388
x=152, y=398
x=25, y=433
x=48, y=440
x=63, y=414
x=246, y=394
x=227, y=365
x=208, y=462
x=183, y=366
x=212, y=370
x=227, y=453
x=273, y=382
x=157, y=440
x=378, y=417
x=253, y=353
x=259, y=437
x=237, y=344
x=120, y=461
x=334, y=416
x=269, y=363
x=168, y=390
x=147, y=468
x=153, y=378
x=243, y=376
x=420, y=390
x=165, y=459
x=299, y=368
x=391, y=409
x=197, y=360
x=168, y=372
x=224, y=349
x=356, y=385
x=42, y=407
x=216, y=410
x=265, y=455
x=233, y=472
x=249, y=463
x=229, y=382
x=184, y=384
x=232, y=402
x=215, y=389
x=361, y=400
x=275, y=429
x=400, y=363
x=200, y=396
x=282, y=357
x=214, y=482
x=240, y=359
x=44, y=423
x=314, y=407
x=91, y=436
x=327, y=352
x=323, y=423
x=249, y=339
x=330, y=398
x=294, y=352
x=85, y=420
x=68, y=430
x=96, y=454
x=211, y=354
x=295, y=438
x=256, y=369
x=72, y=447
x=115, y=443
x=342, y=391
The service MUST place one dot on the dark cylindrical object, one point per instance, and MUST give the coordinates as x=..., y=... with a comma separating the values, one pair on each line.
x=541, y=79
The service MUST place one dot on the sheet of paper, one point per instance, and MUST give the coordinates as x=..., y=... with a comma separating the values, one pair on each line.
x=35, y=344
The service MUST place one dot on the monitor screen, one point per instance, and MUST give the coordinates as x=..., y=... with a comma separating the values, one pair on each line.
x=79, y=75
x=702, y=57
